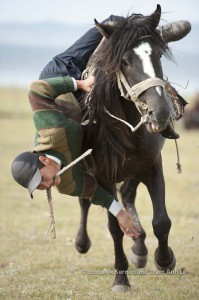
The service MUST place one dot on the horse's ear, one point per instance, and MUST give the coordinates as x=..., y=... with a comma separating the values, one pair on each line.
x=154, y=19
x=105, y=30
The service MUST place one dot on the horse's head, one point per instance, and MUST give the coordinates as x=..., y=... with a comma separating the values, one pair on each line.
x=137, y=47
x=127, y=64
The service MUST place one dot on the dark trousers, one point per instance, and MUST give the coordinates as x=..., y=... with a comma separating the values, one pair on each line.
x=73, y=61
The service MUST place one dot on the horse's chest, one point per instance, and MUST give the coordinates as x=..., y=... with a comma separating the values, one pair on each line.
x=137, y=164
x=143, y=157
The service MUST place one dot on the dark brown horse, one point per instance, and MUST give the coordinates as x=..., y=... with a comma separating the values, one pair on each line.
x=129, y=87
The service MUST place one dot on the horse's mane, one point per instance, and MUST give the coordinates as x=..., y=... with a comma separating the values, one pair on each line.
x=114, y=138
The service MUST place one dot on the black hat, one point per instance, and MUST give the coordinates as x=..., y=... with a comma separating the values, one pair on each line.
x=25, y=170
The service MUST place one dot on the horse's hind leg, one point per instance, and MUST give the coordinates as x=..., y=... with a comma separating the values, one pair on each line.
x=82, y=241
x=139, y=250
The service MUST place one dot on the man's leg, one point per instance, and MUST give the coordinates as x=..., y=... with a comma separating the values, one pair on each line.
x=175, y=31
x=73, y=60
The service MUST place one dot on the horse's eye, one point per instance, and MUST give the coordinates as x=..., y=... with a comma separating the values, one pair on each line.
x=124, y=62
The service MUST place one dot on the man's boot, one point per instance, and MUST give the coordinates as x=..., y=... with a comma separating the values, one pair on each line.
x=175, y=31
x=169, y=133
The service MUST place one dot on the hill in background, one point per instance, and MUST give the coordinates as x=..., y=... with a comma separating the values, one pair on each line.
x=26, y=48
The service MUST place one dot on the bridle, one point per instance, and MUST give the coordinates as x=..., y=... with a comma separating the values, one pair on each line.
x=128, y=92
x=132, y=93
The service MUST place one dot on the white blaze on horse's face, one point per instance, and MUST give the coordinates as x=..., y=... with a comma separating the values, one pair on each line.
x=143, y=51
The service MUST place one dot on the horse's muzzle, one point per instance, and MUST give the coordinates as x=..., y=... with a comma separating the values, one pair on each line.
x=166, y=130
x=154, y=124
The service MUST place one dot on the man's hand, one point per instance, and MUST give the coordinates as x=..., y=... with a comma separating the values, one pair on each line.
x=127, y=224
x=86, y=84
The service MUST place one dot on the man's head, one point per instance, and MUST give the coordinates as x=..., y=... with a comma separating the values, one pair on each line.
x=35, y=171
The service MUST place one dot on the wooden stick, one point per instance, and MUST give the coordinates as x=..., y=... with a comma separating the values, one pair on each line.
x=52, y=219
x=74, y=162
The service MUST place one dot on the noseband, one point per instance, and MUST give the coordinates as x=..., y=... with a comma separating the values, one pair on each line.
x=132, y=93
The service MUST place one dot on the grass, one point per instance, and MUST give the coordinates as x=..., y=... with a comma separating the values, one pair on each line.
x=31, y=270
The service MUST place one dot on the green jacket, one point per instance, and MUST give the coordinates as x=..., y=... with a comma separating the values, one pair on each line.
x=57, y=119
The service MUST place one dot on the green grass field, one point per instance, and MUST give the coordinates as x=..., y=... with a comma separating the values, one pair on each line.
x=30, y=269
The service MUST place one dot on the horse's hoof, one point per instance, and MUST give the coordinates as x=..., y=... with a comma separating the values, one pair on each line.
x=168, y=267
x=83, y=247
x=139, y=261
x=121, y=288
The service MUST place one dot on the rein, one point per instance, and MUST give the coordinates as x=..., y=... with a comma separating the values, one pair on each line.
x=133, y=129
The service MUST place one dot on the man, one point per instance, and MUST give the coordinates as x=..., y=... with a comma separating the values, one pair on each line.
x=58, y=142
x=57, y=120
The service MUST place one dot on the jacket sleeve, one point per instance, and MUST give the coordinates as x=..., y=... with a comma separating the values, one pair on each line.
x=42, y=93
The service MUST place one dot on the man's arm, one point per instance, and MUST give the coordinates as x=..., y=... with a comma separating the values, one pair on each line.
x=42, y=93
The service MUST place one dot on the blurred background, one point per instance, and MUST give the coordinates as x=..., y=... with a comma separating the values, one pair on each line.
x=31, y=33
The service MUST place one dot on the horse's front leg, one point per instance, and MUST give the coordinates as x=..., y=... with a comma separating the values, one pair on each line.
x=82, y=241
x=139, y=250
x=164, y=257
x=121, y=283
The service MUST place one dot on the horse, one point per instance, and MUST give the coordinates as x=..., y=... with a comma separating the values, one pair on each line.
x=129, y=110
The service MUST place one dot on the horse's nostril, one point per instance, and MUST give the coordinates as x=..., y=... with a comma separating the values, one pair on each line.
x=152, y=117
x=150, y=113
